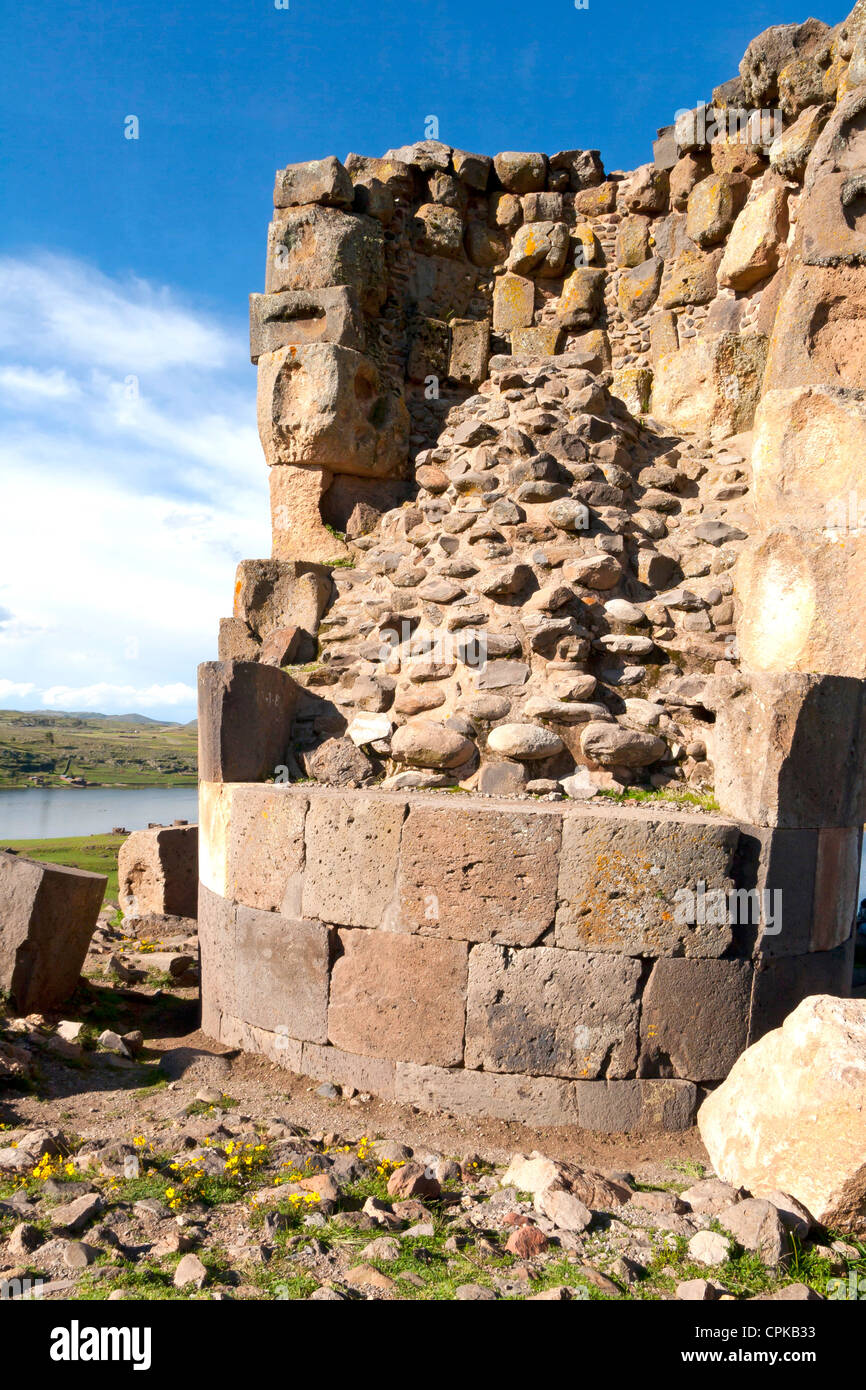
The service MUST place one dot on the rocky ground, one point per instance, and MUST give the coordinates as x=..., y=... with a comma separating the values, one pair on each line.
x=137, y=1161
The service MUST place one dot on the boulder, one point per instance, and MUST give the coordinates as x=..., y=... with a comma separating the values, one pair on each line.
x=324, y=404
x=638, y=288
x=789, y=152
x=157, y=872
x=713, y=206
x=539, y=248
x=424, y=743
x=524, y=741
x=47, y=916
x=757, y=236
x=613, y=746
x=519, y=172
x=790, y=1114
x=581, y=298
x=771, y=51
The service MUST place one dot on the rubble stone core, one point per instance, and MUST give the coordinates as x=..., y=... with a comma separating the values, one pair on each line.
x=561, y=469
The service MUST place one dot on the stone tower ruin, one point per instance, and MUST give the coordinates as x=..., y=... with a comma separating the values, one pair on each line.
x=531, y=764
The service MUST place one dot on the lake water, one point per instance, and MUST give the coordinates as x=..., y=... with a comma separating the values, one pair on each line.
x=53, y=813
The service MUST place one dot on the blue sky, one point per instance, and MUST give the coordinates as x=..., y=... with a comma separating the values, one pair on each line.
x=130, y=471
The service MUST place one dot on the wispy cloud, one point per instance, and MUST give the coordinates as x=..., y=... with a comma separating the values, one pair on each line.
x=132, y=482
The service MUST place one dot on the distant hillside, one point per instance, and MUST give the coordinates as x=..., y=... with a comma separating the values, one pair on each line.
x=52, y=747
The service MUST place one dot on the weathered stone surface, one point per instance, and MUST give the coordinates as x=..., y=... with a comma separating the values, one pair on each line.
x=712, y=385
x=524, y=741
x=265, y=856
x=581, y=298
x=638, y=288
x=790, y=151
x=297, y=526
x=713, y=206
x=783, y=982
x=245, y=715
x=790, y=1114
x=424, y=743
x=310, y=248
x=757, y=1226
x=819, y=334
x=539, y=248
x=769, y=53
x=513, y=303
x=519, y=172
x=613, y=746
x=584, y=167
x=399, y=996
x=274, y=594
x=282, y=974
x=327, y=315
x=551, y=1012
x=807, y=444
x=619, y=879
x=529, y=1099
x=352, y=847
x=429, y=346
x=438, y=230
x=695, y=1017
x=348, y=1069
x=325, y=405
x=338, y=762
x=689, y=279
x=47, y=917
x=635, y=1107
x=453, y=859
x=318, y=181
x=217, y=917
x=789, y=748
x=632, y=241
x=157, y=872
x=470, y=351
x=757, y=236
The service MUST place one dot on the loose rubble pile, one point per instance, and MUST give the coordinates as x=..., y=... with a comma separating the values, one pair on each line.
x=541, y=602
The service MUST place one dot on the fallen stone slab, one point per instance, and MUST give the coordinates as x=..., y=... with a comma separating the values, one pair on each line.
x=158, y=872
x=48, y=915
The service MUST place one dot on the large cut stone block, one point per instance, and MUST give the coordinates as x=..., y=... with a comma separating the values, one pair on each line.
x=789, y=748
x=782, y=982
x=470, y=351
x=635, y=1107
x=712, y=385
x=278, y=593
x=756, y=239
x=790, y=1117
x=695, y=1017
x=631, y=884
x=325, y=405
x=800, y=593
x=217, y=921
x=808, y=445
x=281, y=974
x=352, y=849
x=297, y=317
x=157, y=872
x=298, y=529
x=530, y=1100
x=47, y=917
x=552, y=1013
x=310, y=248
x=374, y=1074
x=245, y=715
x=399, y=996
x=819, y=333
x=279, y=1048
x=265, y=859
x=479, y=875
x=318, y=181
x=513, y=303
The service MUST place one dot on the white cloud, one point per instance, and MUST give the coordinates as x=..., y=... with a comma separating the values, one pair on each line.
x=123, y=517
x=16, y=689
x=27, y=381
x=82, y=316
x=104, y=696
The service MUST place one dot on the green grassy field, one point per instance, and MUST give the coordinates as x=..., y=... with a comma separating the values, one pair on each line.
x=40, y=749
x=98, y=853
